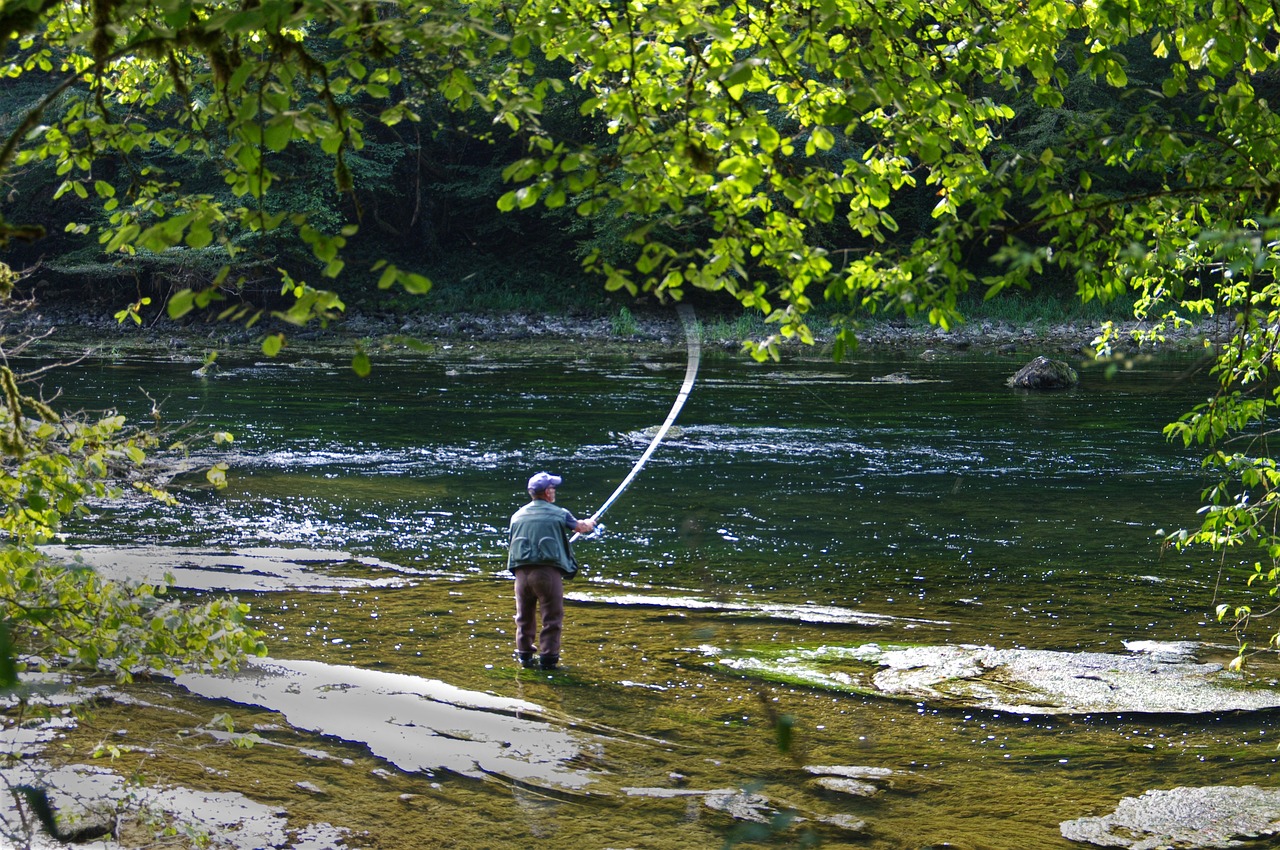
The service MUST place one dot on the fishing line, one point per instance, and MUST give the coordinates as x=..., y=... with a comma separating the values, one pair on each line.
x=694, y=342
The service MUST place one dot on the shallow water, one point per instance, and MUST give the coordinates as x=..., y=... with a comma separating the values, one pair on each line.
x=799, y=505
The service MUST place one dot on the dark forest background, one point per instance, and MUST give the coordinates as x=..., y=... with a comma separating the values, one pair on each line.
x=425, y=198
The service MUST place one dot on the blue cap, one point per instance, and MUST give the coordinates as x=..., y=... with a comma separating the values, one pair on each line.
x=542, y=481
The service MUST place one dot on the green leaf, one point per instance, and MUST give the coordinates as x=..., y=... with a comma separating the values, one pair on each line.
x=217, y=475
x=388, y=277
x=240, y=76
x=741, y=73
x=784, y=732
x=199, y=236
x=181, y=303
x=278, y=133
x=361, y=365
x=8, y=657
x=415, y=284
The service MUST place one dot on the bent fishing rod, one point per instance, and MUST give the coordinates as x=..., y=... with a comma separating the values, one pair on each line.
x=694, y=343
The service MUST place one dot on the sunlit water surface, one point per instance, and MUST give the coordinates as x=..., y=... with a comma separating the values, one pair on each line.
x=946, y=510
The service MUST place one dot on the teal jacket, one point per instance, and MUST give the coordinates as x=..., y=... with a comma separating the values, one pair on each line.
x=539, y=535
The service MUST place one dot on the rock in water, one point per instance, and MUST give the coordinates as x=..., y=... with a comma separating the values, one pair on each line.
x=1024, y=681
x=1045, y=374
x=1214, y=816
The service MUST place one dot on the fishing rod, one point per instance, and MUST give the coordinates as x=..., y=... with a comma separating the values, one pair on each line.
x=694, y=342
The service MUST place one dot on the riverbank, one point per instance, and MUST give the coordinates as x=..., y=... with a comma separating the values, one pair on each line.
x=80, y=325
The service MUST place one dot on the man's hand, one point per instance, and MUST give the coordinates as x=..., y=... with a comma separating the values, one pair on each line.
x=585, y=526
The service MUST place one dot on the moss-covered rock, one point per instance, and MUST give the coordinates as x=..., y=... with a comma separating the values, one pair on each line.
x=1045, y=374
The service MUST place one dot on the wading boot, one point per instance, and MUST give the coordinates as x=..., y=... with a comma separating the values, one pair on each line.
x=526, y=659
x=548, y=662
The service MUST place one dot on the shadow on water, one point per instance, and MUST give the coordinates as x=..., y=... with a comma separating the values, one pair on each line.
x=801, y=505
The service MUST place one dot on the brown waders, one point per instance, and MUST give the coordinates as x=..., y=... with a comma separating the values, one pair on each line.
x=539, y=588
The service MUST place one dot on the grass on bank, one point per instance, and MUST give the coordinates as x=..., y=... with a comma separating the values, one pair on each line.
x=1039, y=312
x=485, y=287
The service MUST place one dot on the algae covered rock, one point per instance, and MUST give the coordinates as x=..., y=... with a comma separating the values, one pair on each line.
x=1044, y=374
x=1025, y=681
x=1209, y=817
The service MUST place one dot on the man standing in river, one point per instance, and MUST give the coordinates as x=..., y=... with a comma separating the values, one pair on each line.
x=540, y=557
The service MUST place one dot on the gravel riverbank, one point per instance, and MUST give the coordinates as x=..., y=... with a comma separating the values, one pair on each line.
x=80, y=326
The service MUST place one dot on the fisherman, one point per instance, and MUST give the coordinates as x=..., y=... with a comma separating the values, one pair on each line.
x=540, y=557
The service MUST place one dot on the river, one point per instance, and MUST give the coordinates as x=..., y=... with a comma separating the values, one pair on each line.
x=797, y=505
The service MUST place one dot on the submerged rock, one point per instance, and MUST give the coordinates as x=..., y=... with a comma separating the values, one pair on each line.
x=848, y=823
x=898, y=378
x=1022, y=681
x=863, y=781
x=1165, y=650
x=849, y=771
x=751, y=807
x=748, y=608
x=854, y=787
x=1044, y=374
x=646, y=435
x=1210, y=817
x=850, y=779
x=668, y=793
x=742, y=805
x=735, y=802
x=757, y=808
x=88, y=799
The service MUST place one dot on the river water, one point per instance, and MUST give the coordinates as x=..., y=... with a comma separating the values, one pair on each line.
x=798, y=505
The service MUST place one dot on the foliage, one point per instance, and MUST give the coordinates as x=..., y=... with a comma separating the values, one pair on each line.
x=1041, y=309
x=72, y=617
x=624, y=324
x=50, y=613
x=879, y=156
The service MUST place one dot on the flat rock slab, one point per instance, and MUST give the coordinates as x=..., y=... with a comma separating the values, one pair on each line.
x=1211, y=817
x=85, y=795
x=856, y=780
x=416, y=724
x=750, y=609
x=258, y=569
x=1022, y=681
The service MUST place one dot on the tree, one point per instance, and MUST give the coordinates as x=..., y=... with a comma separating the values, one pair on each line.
x=54, y=614
x=752, y=148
